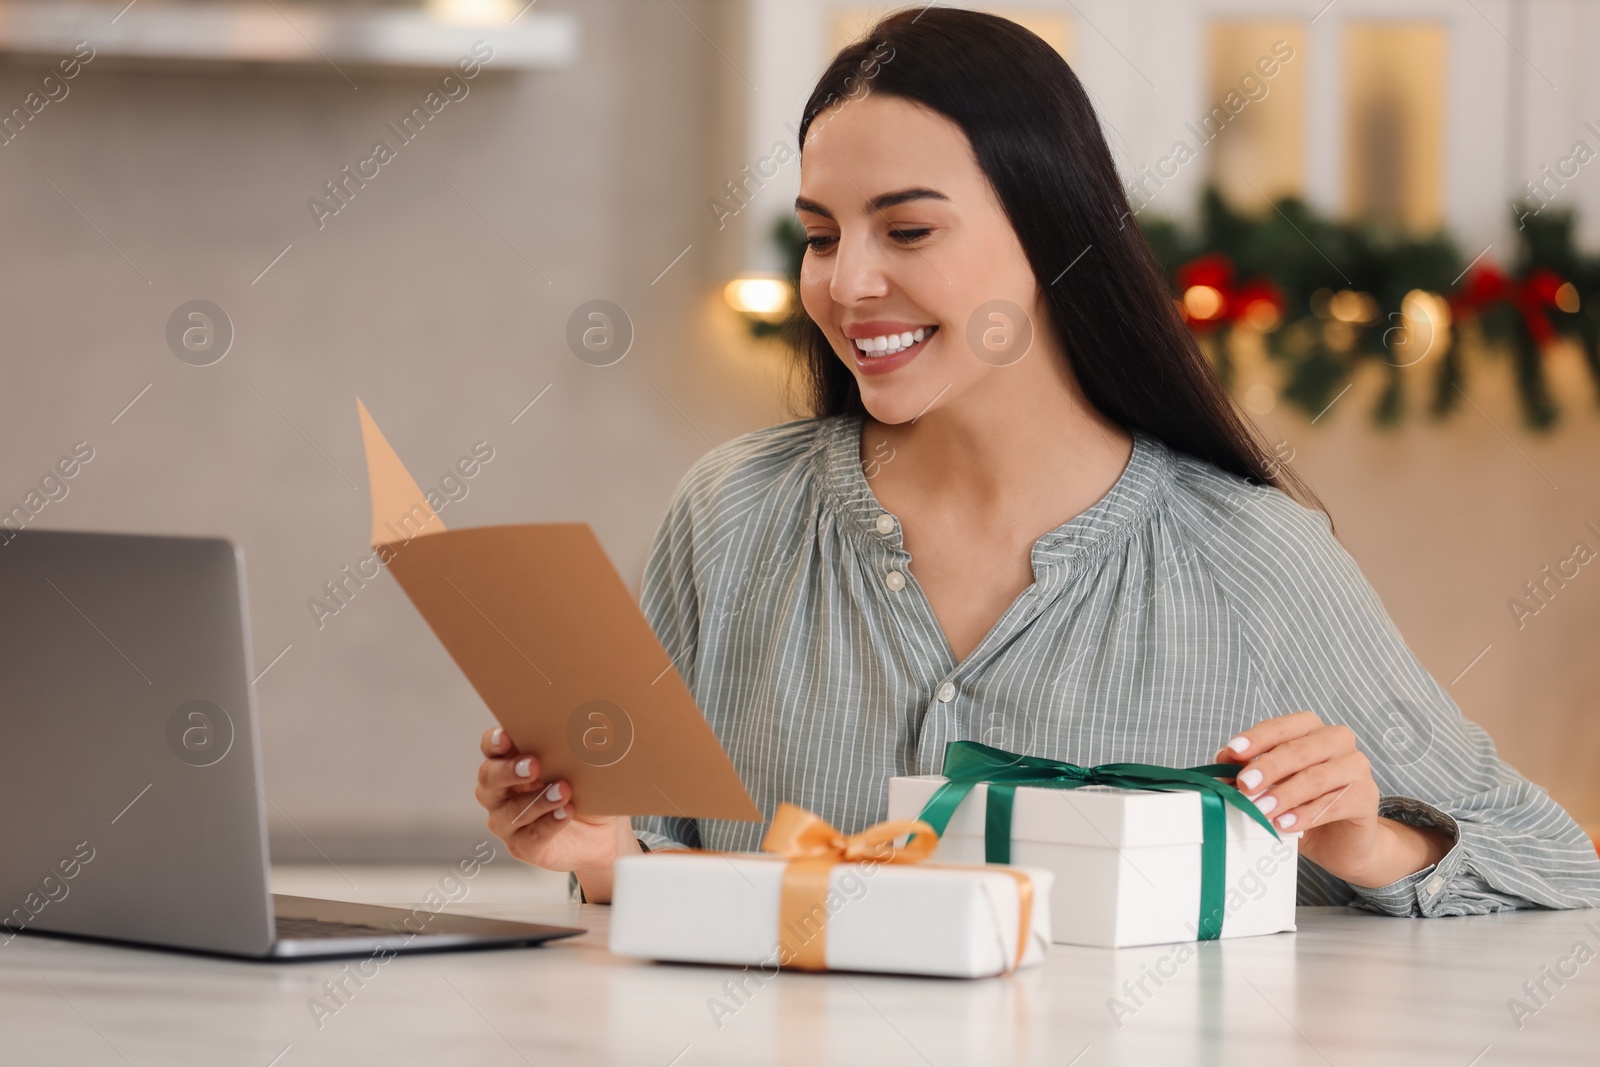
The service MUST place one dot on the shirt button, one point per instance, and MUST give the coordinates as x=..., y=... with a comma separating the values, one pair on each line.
x=1434, y=884
x=946, y=693
x=895, y=580
x=885, y=524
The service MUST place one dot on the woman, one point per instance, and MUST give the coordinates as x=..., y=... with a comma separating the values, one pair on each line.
x=1026, y=513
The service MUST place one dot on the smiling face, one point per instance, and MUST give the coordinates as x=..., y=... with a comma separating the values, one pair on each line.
x=909, y=253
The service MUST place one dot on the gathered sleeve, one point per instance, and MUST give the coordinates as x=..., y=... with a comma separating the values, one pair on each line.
x=1322, y=641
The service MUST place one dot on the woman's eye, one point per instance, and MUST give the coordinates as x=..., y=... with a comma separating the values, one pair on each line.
x=823, y=242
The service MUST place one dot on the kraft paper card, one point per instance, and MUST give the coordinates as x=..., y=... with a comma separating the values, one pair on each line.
x=540, y=622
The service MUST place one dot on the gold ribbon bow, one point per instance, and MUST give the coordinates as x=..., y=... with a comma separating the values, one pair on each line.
x=813, y=848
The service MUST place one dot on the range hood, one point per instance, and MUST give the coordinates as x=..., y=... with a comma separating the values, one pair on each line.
x=430, y=35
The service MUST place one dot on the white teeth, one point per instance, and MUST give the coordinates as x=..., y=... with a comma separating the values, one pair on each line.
x=887, y=344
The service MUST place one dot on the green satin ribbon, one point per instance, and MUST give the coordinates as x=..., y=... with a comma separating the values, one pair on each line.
x=967, y=763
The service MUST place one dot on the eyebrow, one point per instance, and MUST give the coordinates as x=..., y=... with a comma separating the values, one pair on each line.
x=877, y=203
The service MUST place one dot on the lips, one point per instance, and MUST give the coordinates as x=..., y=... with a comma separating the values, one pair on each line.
x=884, y=362
x=886, y=337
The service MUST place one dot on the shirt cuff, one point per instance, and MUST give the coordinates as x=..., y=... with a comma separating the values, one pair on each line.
x=575, y=890
x=1422, y=893
x=651, y=841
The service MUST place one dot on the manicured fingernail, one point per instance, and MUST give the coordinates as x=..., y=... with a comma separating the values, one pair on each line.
x=1239, y=744
x=524, y=767
x=554, y=792
x=496, y=737
x=1286, y=821
x=561, y=813
x=1266, y=804
x=1250, y=779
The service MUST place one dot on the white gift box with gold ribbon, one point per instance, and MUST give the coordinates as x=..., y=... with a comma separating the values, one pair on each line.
x=892, y=918
x=817, y=900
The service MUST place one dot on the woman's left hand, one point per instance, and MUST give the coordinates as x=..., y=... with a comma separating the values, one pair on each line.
x=1310, y=777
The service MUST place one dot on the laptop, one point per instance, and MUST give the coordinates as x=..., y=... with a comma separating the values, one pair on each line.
x=131, y=793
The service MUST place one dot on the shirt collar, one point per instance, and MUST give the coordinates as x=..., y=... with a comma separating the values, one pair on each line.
x=849, y=490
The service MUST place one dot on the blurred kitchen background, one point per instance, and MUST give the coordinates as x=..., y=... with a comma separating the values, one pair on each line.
x=623, y=150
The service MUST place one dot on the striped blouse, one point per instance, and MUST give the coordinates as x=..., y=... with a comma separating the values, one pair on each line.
x=1182, y=607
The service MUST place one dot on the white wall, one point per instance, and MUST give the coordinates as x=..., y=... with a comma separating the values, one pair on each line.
x=596, y=178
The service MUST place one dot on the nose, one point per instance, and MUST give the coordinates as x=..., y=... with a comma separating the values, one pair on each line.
x=858, y=269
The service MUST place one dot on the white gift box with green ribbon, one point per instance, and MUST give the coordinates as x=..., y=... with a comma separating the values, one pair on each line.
x=1127, y=862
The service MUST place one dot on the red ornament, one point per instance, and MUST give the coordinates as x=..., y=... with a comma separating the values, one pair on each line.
x=1486, y=286
x=1234, y=303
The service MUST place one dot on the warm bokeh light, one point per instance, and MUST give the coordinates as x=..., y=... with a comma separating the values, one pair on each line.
x=1262, y=315
x=474, y=12
x=1202, y=302
x=766, y=297
x=1421, y=305
x=1426, y=320
x=1567, y=298
x=1260, y=398
x=1347, y=305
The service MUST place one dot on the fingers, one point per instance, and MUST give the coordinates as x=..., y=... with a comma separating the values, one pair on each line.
x=1319, y=794
x=1292, y=760
x=495, y=742
x=516, y=772
x=1290, y=757
x=499, y=779
x=537, y=815
x=1267, y=734
x=553, y=801
x=1233, y=751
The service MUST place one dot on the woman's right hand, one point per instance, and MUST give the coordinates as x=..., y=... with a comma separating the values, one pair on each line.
x=534, y=817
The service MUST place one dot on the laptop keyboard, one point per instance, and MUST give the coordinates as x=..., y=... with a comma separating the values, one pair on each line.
x=302, y=929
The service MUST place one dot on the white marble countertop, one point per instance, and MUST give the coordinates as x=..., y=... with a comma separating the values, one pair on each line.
x=1347, y=989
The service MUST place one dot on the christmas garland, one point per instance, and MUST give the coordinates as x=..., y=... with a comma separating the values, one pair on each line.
x=1327, y=296
x=1330, y=295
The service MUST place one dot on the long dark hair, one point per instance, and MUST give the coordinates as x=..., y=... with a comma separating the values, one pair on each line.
x=1037, y=139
